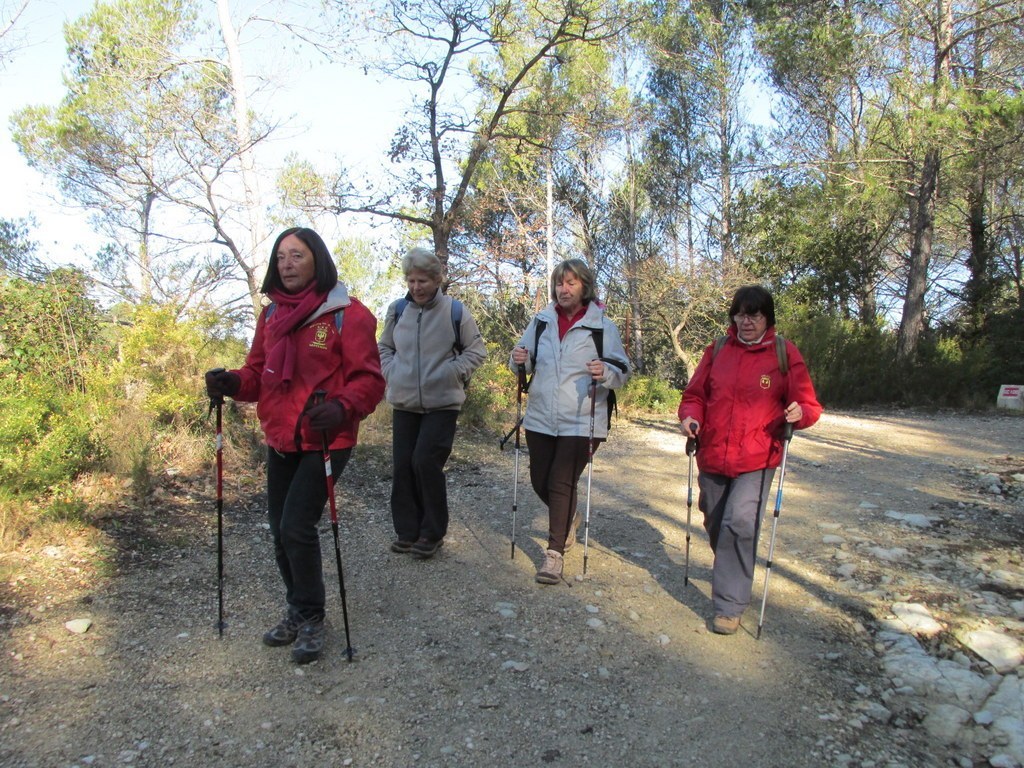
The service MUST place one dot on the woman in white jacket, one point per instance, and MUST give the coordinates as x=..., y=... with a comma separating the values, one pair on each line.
x=566, y=347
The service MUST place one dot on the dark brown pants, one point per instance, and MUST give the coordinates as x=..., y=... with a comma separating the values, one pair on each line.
x=556, y=464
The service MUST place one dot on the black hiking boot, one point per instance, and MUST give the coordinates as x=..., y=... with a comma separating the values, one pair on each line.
x=310, y=642
x=284, y=633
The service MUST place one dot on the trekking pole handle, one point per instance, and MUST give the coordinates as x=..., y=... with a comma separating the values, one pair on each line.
x=787, y=431
x=216, y=399
x=691, y=446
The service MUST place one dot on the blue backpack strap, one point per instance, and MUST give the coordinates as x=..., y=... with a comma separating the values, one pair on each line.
x=457, y=325
x=457, y=309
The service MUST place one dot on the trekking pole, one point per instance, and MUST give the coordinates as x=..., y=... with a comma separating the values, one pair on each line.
x=217, y=403
x=520, y=382
x=691, y=449
x=787, y=435
x=590, y=473
x=319, y=396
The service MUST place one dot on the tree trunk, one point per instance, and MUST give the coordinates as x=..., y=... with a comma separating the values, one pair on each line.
x=922, y=231
x=248, y=257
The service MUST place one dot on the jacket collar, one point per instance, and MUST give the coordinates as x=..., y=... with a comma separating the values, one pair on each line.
x=337, y=299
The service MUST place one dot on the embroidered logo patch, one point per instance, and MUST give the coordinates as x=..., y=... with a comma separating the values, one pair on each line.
x=766, y=381
x=319, y=336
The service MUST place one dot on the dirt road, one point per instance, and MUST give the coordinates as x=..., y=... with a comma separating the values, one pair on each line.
x=464, y=661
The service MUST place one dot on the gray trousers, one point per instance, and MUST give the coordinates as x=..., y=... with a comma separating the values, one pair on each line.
x=733, y=508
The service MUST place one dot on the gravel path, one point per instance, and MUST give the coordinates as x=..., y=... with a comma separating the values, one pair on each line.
x=464, y=661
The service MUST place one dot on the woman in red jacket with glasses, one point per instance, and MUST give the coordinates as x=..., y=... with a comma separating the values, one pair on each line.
x=736, y=405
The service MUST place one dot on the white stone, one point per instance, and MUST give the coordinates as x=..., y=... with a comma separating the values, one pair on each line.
x=867, y=505
x=913, y=519
x=1001, y=651
x=846, y=570
x=1006, y=578
x=916, y=618
x=78, y=626
x=944, y=721
x=515, y=666
x=913, y=671
x=832, y=538
x=664, y=640
x=984, y=717
x=595, y=623
x=1007, y=706
x=889, y=555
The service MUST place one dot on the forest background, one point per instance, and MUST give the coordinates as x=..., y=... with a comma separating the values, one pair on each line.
x=882, y=203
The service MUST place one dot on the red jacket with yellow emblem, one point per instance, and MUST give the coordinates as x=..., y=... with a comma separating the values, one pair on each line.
x=345, y=364
x=738, y=397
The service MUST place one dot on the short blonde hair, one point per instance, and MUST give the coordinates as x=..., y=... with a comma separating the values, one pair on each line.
x=424, y=260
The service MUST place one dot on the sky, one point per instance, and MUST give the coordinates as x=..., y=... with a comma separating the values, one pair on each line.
x=330, y=113
x=352, y=119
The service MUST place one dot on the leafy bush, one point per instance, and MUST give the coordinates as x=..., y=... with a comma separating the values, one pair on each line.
x=648, y=393
x=491, y=398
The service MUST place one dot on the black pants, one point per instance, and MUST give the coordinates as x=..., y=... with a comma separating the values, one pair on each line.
x=556, y=464
x=420, y=446
x=296, y=495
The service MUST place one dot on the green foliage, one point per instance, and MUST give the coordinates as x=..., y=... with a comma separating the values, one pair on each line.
x=648, y=393
x=47, y=330
x=158, y=366
x=45, y=436
x=491, y=398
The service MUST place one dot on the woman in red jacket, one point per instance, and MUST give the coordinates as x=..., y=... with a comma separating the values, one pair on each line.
x=736, y=404
x=312, y=337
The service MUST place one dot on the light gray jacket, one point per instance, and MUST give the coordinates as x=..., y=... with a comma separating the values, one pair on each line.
x=559, y=398
x=423, y=370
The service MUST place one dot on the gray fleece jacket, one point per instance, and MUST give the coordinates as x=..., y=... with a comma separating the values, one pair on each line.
x=423, y=370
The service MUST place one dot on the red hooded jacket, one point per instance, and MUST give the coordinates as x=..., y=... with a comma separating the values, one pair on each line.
x=738, y=397
x=346, y=365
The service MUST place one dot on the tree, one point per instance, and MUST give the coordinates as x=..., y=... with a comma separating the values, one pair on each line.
x=448, y=48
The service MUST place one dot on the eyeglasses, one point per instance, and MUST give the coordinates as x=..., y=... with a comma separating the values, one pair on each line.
x=756, y=317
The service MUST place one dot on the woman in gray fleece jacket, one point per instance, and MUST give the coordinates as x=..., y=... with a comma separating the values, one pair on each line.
x=427, y=367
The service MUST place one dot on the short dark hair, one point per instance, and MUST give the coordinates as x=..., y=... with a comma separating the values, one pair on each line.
x=751, y=299
x=585, y=274
x=325, y=275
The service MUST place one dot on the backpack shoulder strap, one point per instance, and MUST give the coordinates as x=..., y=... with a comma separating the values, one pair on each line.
x=400, y=306
x=719, y=343
x=782, y=353
x=538, y=326
x=457, y=325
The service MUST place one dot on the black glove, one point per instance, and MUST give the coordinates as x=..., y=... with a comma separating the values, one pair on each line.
x=220, y=383
x=328, y=416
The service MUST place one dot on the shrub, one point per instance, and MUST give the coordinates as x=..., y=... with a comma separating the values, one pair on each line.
x=491, y=397
x=648, y=393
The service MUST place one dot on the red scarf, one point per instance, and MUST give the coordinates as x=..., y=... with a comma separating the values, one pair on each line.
x=292, y=310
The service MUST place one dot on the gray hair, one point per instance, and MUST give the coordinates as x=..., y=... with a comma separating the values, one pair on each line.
x=424, y=260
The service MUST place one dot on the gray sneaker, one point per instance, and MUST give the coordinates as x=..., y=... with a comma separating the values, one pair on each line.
x=310, y=642
x=284, y=633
